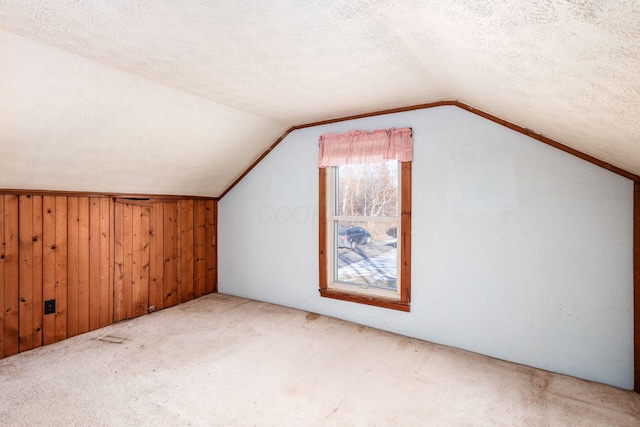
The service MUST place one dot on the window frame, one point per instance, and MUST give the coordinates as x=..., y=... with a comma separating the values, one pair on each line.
x=403, y=301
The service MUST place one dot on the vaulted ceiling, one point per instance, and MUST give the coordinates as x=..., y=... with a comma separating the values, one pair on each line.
x=180, y=97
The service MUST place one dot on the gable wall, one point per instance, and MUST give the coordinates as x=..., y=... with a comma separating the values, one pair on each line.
x=520, y=251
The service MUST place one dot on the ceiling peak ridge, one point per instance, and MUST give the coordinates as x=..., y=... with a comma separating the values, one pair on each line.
x=453, y=103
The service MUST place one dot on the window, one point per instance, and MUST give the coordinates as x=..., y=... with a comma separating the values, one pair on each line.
x=365, y=224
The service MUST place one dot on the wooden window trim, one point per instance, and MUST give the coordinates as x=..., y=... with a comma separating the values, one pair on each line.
x=636, y=284
x=404, y=302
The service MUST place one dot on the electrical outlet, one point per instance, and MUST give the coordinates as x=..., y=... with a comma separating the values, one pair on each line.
x=50, y=306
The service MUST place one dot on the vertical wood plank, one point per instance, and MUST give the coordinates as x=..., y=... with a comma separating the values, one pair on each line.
x=26, y=284
x=119, y=312
x=136, y=262
x=49, y=266
x=210, y=281
x=153, y=230
x=73, y=267
x=94, y=263
x=105, y=285
x=169, y=249
x=38, y=302
x=61, y=264
x=140, y=265
x=143, y=296
x=128, y=259
x=156, y=256
x=83, y=265
x=199, y=236
x=186, y=250
x=11, y=271
x=2, y=260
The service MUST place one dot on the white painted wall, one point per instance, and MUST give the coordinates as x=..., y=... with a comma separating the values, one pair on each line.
x=520, y=251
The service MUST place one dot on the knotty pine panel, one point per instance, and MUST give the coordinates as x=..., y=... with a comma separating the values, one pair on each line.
x=186, y=250
x=30, y=272
x=199, y=236
x=156, y=256
x=210, y=250
x=170, y=253
x=10, y=262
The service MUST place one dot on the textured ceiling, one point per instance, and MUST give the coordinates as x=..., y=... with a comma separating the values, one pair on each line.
x=179, y=97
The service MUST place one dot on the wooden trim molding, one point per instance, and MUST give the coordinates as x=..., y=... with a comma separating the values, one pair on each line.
x=548, y=141
x=636, y=284
x=405, y=231
x=376, y=113
x=142, y=203
x=404, y=301
x=322, y=220
x=258, y=160
x=130, y=196
x=366, y=299
x=458, y=104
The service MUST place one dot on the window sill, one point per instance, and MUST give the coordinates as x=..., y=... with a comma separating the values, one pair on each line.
x=377, y=301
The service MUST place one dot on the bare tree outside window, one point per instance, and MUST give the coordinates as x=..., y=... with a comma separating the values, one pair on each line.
x=368, y=190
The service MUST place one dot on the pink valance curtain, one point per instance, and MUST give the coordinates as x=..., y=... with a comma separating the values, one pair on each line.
x=358, y=146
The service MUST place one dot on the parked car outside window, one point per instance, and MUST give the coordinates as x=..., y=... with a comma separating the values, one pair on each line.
x=349, y=237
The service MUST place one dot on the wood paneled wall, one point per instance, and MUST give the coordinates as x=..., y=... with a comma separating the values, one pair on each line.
x=100, y=260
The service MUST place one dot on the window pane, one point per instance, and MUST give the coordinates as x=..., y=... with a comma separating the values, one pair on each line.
x=368, y=190
x=366, y=253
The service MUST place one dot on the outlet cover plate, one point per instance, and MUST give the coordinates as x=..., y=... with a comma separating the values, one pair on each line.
x=50, y=306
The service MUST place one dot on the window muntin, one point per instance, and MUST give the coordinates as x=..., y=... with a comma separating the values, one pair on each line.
x=363, y=227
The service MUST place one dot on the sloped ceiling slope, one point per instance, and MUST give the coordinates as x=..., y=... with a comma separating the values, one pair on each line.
x=179, y=97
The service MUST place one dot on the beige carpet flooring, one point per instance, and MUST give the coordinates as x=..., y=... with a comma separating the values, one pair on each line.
x=223, y=361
